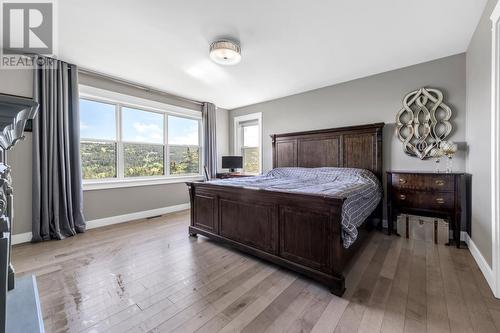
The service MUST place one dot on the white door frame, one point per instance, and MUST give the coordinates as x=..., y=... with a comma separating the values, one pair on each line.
x=495, y=150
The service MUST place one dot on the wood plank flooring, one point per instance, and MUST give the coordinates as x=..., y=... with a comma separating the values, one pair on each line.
x=149, y=276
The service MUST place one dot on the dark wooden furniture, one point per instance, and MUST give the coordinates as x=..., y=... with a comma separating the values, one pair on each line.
x=431, y=194
x=225, y=175
x=298, y=231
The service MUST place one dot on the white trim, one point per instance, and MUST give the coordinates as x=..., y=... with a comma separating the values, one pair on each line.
x=237, y=135
x=135, y=216
x=21, y=238
x=495, y=151
x=478, y=257
x=26, y=237
x=119, y=155
x=133, y=182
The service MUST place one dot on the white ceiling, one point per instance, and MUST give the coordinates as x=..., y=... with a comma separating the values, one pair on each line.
x=287, y=46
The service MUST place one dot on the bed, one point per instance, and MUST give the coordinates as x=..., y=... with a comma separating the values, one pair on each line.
x=290, y=216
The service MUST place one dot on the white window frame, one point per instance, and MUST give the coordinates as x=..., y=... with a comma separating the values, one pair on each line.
x=168, y=145
x=122, y=100
x=238, y=133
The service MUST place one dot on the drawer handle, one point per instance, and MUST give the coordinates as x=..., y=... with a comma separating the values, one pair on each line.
x=402, y=197
x=440, y=200
x=402, y=181
x=440, y=182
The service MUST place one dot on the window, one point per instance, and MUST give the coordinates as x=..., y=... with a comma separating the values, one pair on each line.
x=121, y=141
x=250, y=147
x=98, y=139
x=143, y=143
x=248, y=131
x=184, y=152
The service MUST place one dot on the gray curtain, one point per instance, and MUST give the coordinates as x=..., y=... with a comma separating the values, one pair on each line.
x=210, y=142
x=57, y=175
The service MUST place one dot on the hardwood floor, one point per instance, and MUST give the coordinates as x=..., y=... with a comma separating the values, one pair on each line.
x=149, y=276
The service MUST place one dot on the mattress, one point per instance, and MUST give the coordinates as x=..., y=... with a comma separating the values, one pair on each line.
x=360, y=188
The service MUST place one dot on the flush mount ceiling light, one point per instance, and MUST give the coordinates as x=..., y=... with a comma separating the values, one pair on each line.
x=225, y=52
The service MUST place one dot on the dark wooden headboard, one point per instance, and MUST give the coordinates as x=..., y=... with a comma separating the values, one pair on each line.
x=349, y=147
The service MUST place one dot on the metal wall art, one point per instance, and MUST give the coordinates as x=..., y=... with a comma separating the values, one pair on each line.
x=423, y=122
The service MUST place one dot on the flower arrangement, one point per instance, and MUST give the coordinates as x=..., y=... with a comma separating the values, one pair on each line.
x=449, y=149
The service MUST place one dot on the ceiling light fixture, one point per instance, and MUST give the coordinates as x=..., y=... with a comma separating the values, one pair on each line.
x=225, y=52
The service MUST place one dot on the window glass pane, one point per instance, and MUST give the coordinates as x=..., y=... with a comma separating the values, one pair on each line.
x=250, y=160
x=142, y=126
x=98, y=160
x=142, y=160
x=251, y=136
x=97, y=120
x=182, y=131
x=184, y=160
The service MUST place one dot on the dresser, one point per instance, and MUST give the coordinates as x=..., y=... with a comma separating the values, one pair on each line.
x=441, y=195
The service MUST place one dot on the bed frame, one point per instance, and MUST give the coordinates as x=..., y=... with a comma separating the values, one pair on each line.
x=298, y=231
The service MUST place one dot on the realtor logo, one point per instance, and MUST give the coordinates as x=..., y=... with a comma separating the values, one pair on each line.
x=27, y=28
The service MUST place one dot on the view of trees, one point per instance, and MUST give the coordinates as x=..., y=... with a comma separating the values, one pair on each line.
x=184, y=160
x=251, y=160
x=98, y=160
x=140, y=160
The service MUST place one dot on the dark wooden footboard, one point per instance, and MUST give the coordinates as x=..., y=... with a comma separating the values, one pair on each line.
x=300, y=232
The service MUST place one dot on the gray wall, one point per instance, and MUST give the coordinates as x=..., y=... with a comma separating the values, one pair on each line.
x=97, y=203
x=372, y=99
x=16, y=82
x=478, y=131
x=119, y=201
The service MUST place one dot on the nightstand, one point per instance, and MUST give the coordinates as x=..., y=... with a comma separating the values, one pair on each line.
x=441, y=195
x=226, y=175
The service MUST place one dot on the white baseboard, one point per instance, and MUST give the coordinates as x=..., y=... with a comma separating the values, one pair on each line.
x=481, y=262
x=21, y=238
x=135, y=216
x=92, y=224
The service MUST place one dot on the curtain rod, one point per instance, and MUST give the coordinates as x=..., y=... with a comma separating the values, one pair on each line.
x=135, y=85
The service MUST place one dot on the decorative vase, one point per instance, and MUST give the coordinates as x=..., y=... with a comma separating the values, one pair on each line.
x=438, y=160
x=437, y=153
x=449, y=149
x=449, y=164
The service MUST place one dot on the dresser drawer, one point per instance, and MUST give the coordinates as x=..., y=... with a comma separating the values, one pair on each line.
x=424, y=182
x=440, y=201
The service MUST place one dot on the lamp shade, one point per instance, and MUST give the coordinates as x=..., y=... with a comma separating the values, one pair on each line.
x=225, y=52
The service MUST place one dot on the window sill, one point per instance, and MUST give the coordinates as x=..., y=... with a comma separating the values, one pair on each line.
x=115, y=183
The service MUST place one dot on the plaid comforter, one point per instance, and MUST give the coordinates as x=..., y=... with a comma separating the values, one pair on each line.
x=360, y=188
